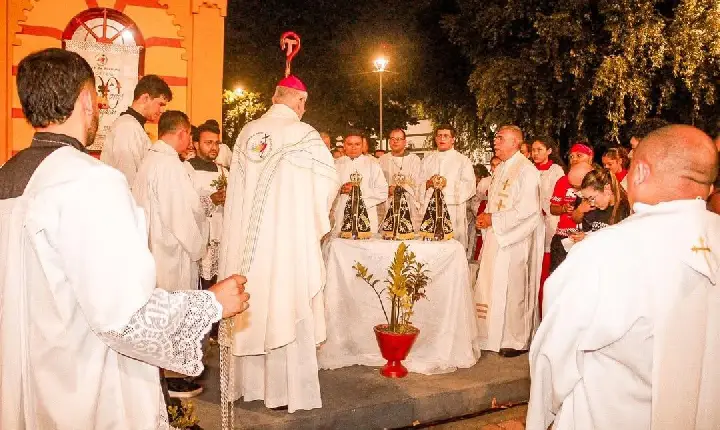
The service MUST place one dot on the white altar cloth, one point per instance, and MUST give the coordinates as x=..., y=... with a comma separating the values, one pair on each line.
x=446, y=319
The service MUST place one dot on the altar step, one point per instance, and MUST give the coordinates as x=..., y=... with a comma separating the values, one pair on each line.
x=359, y=397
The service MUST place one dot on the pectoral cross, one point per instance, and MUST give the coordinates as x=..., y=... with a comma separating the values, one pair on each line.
x=500, y=205
x=702, y=247
x=506, y=184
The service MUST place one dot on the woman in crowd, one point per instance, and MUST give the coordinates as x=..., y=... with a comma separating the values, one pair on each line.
x=602, y=190
x=617, y=161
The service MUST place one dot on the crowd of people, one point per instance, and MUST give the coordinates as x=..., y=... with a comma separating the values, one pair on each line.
x=113, y=268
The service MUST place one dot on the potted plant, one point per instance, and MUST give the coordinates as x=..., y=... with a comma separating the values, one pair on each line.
x=405, y=285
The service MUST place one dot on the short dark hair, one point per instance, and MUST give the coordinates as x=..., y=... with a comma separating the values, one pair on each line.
x=645, y=127
x=171, y=120
x=154, y=86
x=49, y=83
x=355, y=132
x=208, y=126
x=400, y=130
x=445, y=127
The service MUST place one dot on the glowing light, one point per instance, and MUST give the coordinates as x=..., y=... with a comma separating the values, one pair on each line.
x=239, y=91
x=381, y=64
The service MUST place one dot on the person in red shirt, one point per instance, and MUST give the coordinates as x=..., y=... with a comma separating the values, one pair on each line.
x=617, y=161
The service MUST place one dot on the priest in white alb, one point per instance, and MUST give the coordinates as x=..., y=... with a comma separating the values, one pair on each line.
x=127, y=142
x=401, y=162
x=82, y=325
x=177, y=214
x=374, y=187
x=457, y=169
x=635, y=344
x=281, y=185
x=508, y=279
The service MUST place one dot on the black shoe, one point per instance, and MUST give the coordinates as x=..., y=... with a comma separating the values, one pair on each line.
x=509, y=352
x=183, y=389
x=280, y=408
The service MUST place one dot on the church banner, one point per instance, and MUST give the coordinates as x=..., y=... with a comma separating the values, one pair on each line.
x=116, y=70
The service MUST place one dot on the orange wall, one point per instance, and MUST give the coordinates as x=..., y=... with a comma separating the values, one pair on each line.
x=172, y=29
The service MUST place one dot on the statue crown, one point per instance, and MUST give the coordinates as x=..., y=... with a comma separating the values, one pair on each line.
x=439, y=182
x=356, y=178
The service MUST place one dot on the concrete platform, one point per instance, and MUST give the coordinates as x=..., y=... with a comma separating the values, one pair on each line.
x=359, y=397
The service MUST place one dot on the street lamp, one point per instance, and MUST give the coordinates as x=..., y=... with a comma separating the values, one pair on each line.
x=239, y=91
x=380, y=66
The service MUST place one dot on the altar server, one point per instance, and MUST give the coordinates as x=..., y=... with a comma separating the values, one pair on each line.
x=635, y=344
x=177, y=215
x=509, y=274
x=127, y=142
x=458, y=171
x=281, y=185
x=374, y=187
x=401, y=162
x=82, y=325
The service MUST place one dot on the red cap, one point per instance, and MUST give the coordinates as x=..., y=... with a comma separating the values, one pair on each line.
x=292, y=82
x=582, y=149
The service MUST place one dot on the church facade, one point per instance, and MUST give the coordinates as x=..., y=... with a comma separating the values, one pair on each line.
x=180, y=40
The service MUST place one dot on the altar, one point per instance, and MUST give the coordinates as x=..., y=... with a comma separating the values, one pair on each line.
x=446, y=319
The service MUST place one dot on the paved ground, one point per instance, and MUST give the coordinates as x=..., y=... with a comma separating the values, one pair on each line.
x=358, y=397
x=508, y=419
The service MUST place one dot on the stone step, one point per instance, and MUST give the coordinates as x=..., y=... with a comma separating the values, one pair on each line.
x=359, y=397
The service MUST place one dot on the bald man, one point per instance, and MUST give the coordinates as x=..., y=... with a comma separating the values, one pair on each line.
x=630, y=337
x=514, y=242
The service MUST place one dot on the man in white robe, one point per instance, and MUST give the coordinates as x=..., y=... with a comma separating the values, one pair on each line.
x=281, y=184
x=78, y=302
x=509, y=276
x=635, y=344
x=177, y=215
x=210, y=180
x=457, y=169
x=374, y=187
x=400, y=161
x=127, y=142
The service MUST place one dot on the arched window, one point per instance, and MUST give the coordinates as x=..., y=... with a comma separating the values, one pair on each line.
x=103, y=25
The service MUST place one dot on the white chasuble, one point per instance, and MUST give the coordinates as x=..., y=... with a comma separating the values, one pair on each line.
x=177, y=217
x=510, y=265
x=206, y=175
x=374, y=188
x=460, y=188
x=281, y=185
x=548, y=179
x=82, y=326
x=635, y=346
x=408, y=166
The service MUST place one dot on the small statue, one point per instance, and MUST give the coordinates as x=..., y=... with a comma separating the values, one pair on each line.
x=356, y=223
x=397, y=224
x=436, y=224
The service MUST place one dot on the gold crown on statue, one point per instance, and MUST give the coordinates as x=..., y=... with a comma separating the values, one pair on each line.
x=356, y=178
x=439, y=182
x=399, y=179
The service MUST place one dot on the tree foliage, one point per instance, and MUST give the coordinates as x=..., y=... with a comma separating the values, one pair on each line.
x=590, y=67
x=238, y=110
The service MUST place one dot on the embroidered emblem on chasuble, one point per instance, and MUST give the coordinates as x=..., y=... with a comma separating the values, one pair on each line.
x=258, y=146
x=436, y=224
x=356, y=223
x=397, y=224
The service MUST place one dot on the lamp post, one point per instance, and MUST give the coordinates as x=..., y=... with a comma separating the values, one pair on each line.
x=380, y=66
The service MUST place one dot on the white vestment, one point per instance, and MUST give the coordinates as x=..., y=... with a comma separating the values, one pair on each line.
x=458, y=170
x=82, y=325
x=281, y=185
x=224, y=155
x=177, y=217
x=480, y=196
x=408, y=165
x=203, y=180
x=548, y=179
x=508, y=280
x=374, y=188
x=634, y=345
x=125, y=146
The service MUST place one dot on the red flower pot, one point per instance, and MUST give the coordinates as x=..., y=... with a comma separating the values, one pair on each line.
x=394, y=347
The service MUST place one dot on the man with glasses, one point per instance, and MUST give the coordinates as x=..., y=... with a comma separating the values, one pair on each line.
x=458, y=172
x=401, y=168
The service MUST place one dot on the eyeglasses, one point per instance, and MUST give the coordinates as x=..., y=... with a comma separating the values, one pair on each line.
x=397, y=139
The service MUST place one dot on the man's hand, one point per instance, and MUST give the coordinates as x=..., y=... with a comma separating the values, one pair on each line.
x=577, y=237
x=568, y=208
x=218, y=197
x=231, y=295
x=584, y=207
x=345, y=189
x=483, y=221
x=391, y=190
x=429, y=184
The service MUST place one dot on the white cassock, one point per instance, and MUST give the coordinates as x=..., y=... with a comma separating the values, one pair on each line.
x=374, y=188
x=281, y=185
x=177, y=217
x=480, y=196
x=125, y=146
x=408, y=165
x=203, y=174
x=82, y=326
x=461, y=185
x=509, y=276
x=548, y=179
x=634, y=345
